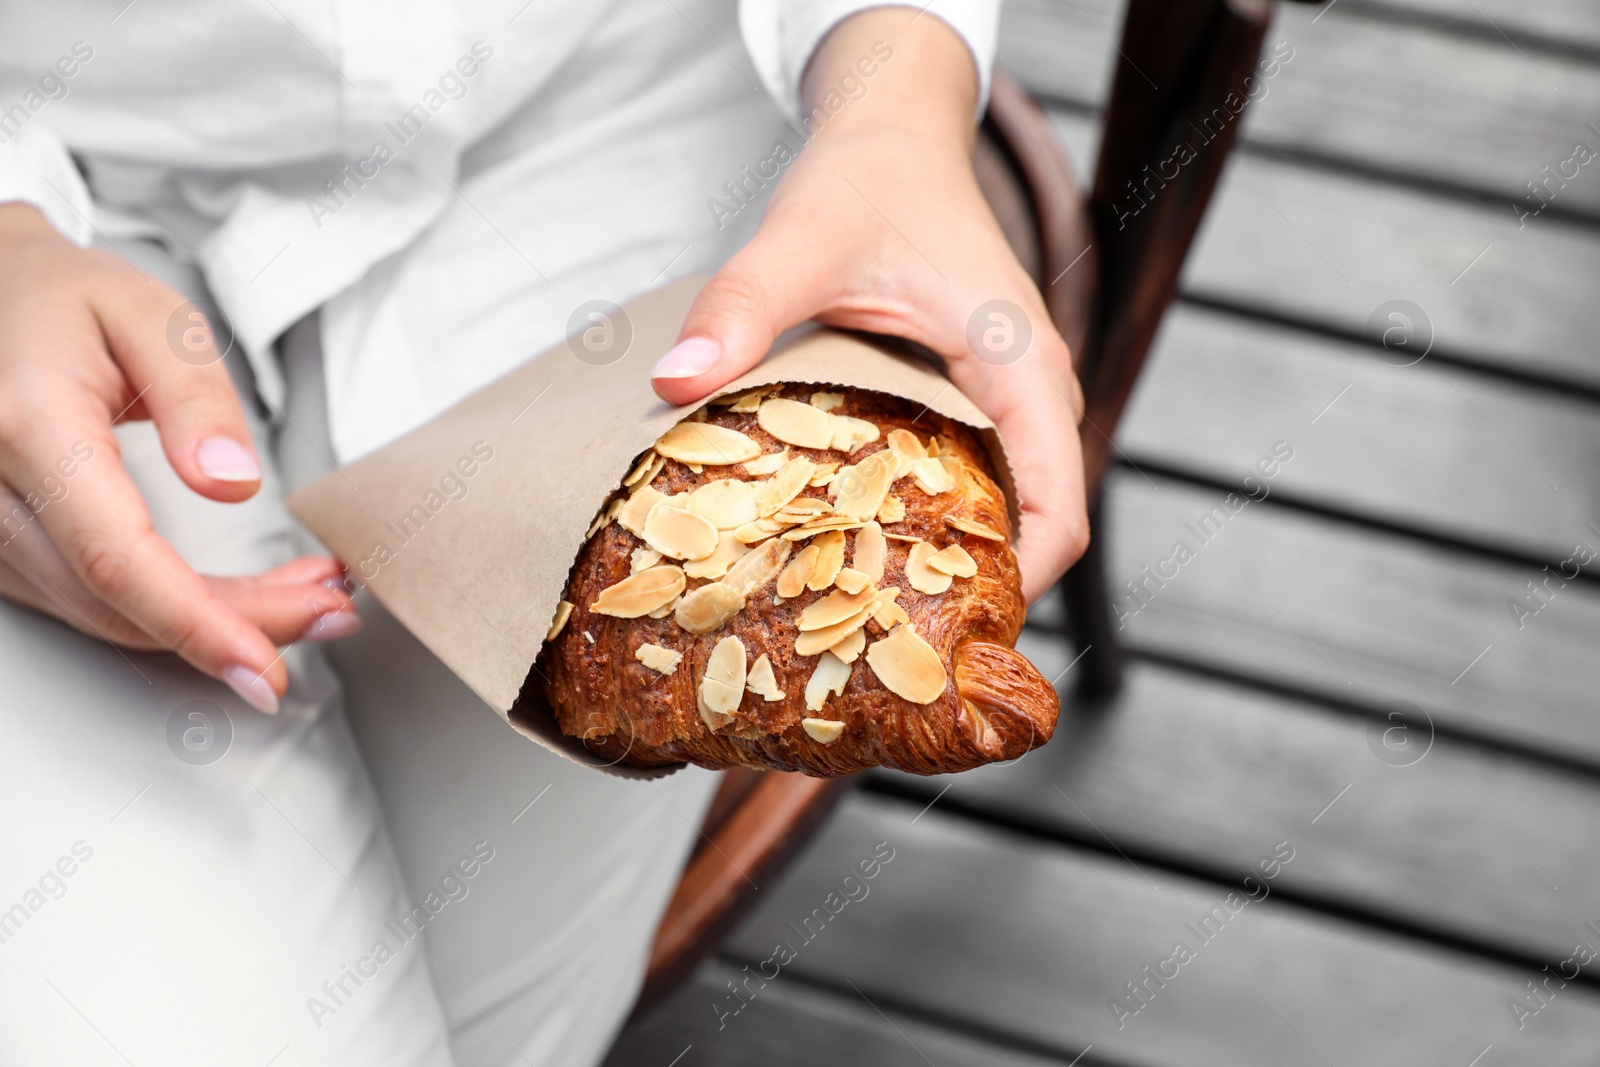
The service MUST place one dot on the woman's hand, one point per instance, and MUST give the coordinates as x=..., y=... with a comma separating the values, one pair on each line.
x=879, y=225
x=83, y=344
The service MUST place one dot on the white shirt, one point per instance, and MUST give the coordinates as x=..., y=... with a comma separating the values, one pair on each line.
x=448, y=181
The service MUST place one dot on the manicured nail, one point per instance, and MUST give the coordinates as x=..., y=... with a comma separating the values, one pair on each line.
x=227, y=460
x=332, y=626
x=252, y=688
x=687, y=359
x=337, y=584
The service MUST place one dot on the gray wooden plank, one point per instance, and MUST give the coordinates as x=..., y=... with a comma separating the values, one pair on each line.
x=1477, y=112
x=985, y=926
x=1570, y=23
x=1203, y=771
x=1429, y=446
x=788, y=1023
x=1331, y=249
x=1359, y=615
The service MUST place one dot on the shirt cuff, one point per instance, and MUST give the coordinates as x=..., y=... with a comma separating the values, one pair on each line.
x=37, y=169
x=782, y=35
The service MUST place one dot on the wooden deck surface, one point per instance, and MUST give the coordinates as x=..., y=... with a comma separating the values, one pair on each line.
x=1427, y=887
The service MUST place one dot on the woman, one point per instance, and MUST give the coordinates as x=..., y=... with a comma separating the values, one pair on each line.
x=388, y=206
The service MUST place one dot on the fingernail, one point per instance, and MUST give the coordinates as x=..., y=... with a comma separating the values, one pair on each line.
x=227, y=460
x=332, y=626
x=252, y=688
x=337, y=584
x=686, y=359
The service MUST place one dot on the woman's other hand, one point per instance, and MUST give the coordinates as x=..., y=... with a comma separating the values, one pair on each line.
x=83, y=345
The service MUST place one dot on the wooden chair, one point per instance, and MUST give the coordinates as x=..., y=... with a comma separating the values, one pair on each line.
x=1107, y=273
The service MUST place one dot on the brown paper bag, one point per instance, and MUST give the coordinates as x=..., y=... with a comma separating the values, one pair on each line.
x=465, y=528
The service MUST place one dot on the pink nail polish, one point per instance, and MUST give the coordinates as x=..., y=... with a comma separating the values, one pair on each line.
x=332, y=626
x=688, y=359
x=252, y=688
x=227, y=460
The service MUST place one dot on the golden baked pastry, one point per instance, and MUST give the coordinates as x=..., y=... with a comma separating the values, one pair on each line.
x=802, y=579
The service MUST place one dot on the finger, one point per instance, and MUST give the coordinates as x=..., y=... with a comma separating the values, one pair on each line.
x=44, y=581
x=289, y=611
x=167, y=352
x=103, y=530
x=773, y=283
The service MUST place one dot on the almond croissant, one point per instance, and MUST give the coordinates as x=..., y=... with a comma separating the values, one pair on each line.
x=804, y=580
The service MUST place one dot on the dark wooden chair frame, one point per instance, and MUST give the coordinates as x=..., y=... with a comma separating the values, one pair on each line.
x=1107, y=264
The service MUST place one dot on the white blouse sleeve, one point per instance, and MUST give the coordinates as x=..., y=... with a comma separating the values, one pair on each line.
x=36, y=168
x=782, y=34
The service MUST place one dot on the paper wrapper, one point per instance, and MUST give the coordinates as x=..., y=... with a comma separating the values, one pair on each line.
x=465, y=529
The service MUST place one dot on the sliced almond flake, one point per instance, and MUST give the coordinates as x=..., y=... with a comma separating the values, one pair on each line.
x=932, y=477
x=859, y=491
x=646, y=463
x=892, y=510
x=936, y=446
x=831, y=675
x=907, y=443
x=827, y=401
x=812, y=642
x=869, y=553
x=800, y=533
x=849, y=648
x=639, y=594
x=823, y=474
x=695, y=468
x=822, y=731
x=850, y=434
x=795, y=423
x=835, y=608
x=907, y=666
x=708, y=443
x=708, y=607
x=762, y=682
x=767, y=463
x=746, y=404
x=792, y=582
x=974, y=527
x=659, y=659
x=754, y=532
x=830, y=560
x=643, y=558
x=664, y=610
x=589, y=637
x=601, y=521
x=637, y=508
x=788, y=483
x=923, y=578
x=954, y=560
x=803, y=509
x=726, y=503
x=563, y=613
x=911, y=538
x=729, y=551
x=889, y=614
x=722, y=685
x=714, y=720
x=680, y=534
x=852, y=581
x=758, y=567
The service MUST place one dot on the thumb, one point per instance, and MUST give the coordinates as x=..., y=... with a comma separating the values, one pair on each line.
x=743, y=308
x=167, y=351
